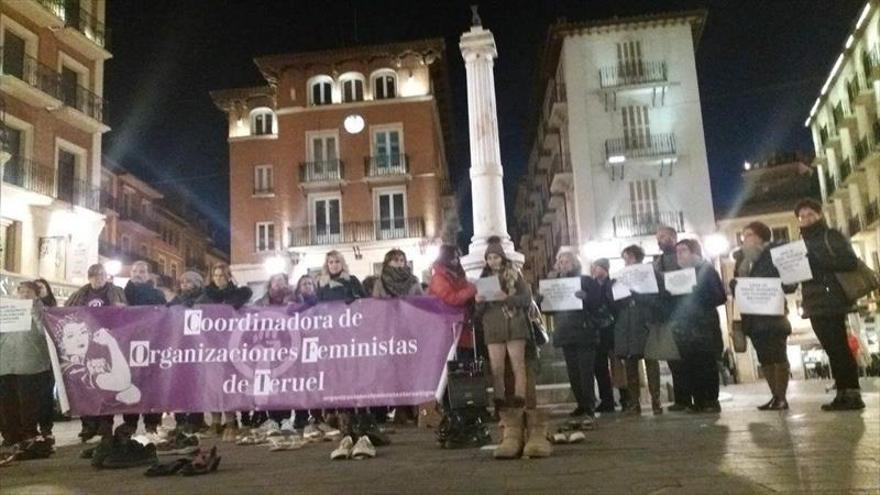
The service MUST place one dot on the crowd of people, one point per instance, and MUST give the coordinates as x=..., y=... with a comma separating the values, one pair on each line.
x=605, y=344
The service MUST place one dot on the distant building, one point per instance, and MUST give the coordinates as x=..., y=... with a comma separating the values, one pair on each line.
x=618, y=147
x=771, y=188
x=343, y=149
x=53, y=116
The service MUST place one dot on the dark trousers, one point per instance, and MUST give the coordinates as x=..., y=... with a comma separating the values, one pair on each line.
x=831, y=331
x=97, y=425
x=681, y=386
x=580, y=361
x=193, y=421
x=700, y=370
x=151, y=420
x=601, y=369
x=20, y=403
x=46, y=417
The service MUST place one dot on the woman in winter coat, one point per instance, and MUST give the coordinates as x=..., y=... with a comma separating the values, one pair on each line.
x=192, y=288
x=396, y=279
x=825, y=303
x=507, y=331
x=306, y=291
x=336, y=283
x=633, y=314
x=47, y=414
x=697, y=328
x=222, y=290
x=577, y=336
x=767, y=333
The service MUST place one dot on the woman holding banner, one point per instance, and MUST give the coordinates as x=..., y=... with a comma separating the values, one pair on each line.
x=507, y=332
x=192, y=288
x=768, y=333
x=825, y=303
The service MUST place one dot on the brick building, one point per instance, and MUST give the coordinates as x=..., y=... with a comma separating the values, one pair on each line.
x=341, y=149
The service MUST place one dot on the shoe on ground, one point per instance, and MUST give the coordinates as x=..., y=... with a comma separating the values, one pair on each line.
x=269, y=428
x=230, y=433
x=311, y=433
x=328, y=432
x=278, y=444
x=343, y=451
x=767, y=405
x=363, y=449
x=578, y=412
x=577, y=437
x=559, y=438
x=848, y=400
x=128, y=454
x=678, y=407
x=49, y=438
x=588, y=423
x=605, y=407
x=287, y=427
x=181, y=444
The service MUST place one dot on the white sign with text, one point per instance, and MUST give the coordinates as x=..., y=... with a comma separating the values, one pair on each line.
x=559, y=294
x=791, y=261
x=760, y=296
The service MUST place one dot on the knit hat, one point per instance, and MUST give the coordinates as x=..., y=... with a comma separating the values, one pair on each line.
x=603, y=262
x=193, y=278
x=494, y=247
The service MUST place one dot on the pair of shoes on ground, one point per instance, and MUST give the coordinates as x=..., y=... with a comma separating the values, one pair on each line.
x=202, y=462
x=774, y=404
x=317, y=431
x=120, y=451
x=605, y=407
x=26, y=450
x=180, y=444
x=846, y=400
x=567, y=436
x=708, y=408
x=348, y=449
x=678, y=407
x=286, y=442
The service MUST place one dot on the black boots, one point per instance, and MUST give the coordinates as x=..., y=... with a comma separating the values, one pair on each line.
x=846, y=400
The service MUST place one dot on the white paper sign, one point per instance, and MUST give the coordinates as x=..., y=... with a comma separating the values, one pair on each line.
x=620, y=291
x=15, y=314
x=791, y=261
x=680, y=282
x=639, y=278
x=760, y=296
x=559, y=294
x=490, y=288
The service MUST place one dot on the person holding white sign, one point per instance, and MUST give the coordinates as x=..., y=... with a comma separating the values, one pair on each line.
x=697, y=328
x=633, y=313
x=768, y=333
x=825, y=303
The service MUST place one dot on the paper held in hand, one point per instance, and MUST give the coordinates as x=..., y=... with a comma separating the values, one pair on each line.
x=15, y=314
x=559, y=294
x=620, y=291
x=760, y=296
x=489, y=288
x=639, y=278
x=791, y=261
x=680, y=282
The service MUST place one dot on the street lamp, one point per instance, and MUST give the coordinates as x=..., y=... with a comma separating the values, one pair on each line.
x=716, y=244
x=274, y=264
x=113, y=267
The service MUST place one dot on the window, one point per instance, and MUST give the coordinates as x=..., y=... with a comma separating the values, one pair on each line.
x=387, y=146
x=643, y=199
x=9, y=232
x=384, y=86
x=327, y=217
x=629, y=60
x=13, y=55
x=262, y=122
x=161, y=265
x=265, y=236
x=323, y=155
x=174, y=270
x=352, y=88
x=391, y=214
x=636, y=132
x=322, y=91
x=66, y=175
x=263, y=179
x=69, y=85
x=13, y=143
x=780, y=234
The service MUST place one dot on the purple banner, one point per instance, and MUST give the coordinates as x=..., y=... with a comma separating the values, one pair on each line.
x=371, y=352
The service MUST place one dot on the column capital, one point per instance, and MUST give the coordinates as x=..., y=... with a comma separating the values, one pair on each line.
x=478, y=43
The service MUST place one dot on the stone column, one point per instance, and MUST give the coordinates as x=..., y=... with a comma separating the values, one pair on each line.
x=486, y=172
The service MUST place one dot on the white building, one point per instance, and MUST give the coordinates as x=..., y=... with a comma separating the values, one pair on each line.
x=846, y=134
x=619, y=146
x=53, y=116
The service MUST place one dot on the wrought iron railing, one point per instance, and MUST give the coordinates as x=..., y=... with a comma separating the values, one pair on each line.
x=644, y=146
x=630, y=74
x=861, y=150
x=88, y=24
x=321, y=171
x=354, y=232
x=85, y=101
x=830, y=184
x=646, y=224
x=29, y=175
x=31, y=71
x=845, y=169
x=386, y=165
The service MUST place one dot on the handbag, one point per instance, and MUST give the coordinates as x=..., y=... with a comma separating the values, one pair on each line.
x=660, y=345
x=539, y=329
x=857, y=283
x=739, y=337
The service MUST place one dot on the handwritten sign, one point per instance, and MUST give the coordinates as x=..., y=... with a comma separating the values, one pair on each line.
x=639, y=278
x=490, y=288
x=620, y=291
x=559, y=294
x=680, y=282
x=15, y=314
x=791, y=261
x=760, y=296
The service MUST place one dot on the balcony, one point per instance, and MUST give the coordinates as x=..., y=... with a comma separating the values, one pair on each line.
x=83, y=109
x=38, y=178
x=861, y=151
x=840, y=113
x=145, y=220
x=854, y=225
x=555, y=103
x=872, y=213
x=324, y=174
x=386, y=168
x=30, y=81
x=830, y=185
x=634, y=77
x=646, y=224
x=845, y=170
x=560, y=171
x=357, y=232
x=648, y=148
x=126, y=256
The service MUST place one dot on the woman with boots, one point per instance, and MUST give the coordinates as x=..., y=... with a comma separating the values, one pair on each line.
x=697, y=328
x=222, y=290
x=767, y=333
x=578, y=337
x=602, y=319
x=630, y=336
x=507, y=331
x=825, y=303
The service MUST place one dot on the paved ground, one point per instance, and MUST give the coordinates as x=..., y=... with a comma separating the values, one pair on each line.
x=740, y=451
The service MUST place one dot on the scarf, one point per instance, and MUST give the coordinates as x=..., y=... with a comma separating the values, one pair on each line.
x=397, y=281
x=750, y=256
x=334, y=280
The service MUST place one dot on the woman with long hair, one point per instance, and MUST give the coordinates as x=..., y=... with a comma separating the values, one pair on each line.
x=335, y=283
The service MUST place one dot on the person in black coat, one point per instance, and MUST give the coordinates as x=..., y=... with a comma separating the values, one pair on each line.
x=139, y=291
x=768, y=333
x=825, y=303
x=336, y=283
x=697, y=327
x=192, y=288
x=602, y=318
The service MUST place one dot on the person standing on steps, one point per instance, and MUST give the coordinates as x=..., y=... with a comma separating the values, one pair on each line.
x=825, y=303
x=603, y=319
x=767, y=333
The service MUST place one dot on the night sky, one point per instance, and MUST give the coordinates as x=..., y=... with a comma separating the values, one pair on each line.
x=761, y=64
